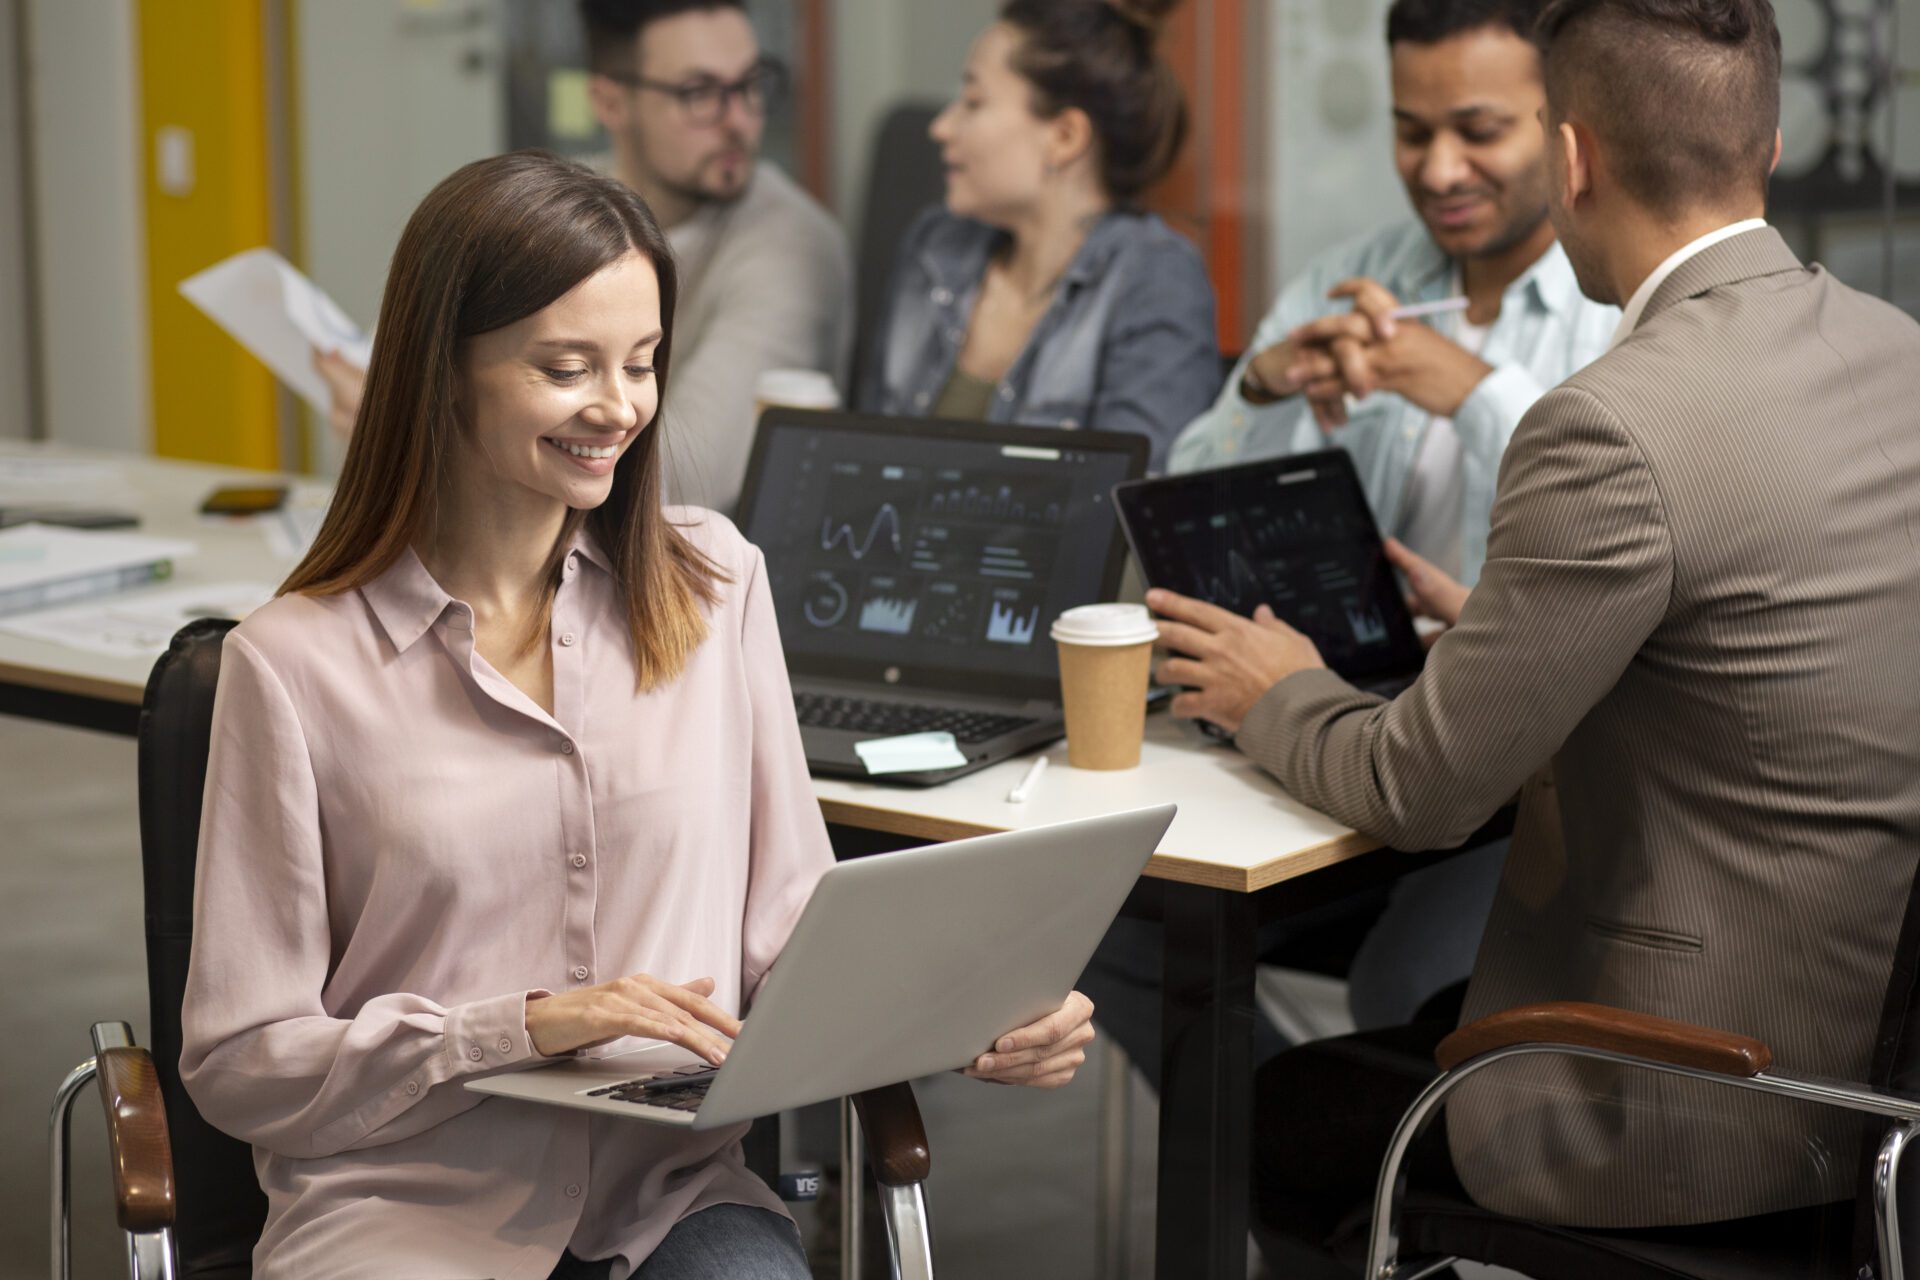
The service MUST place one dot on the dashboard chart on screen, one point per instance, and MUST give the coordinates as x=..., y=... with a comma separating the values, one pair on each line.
x=953, y=553
x=1292, y=533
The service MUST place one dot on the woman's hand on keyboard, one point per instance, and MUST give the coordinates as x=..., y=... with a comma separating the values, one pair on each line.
x=636, y=1006
x=1044, y=1054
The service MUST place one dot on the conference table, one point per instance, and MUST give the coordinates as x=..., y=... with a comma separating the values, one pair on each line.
x=1240, y=853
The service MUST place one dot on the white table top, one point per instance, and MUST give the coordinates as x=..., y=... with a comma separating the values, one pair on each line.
x=167, y=496
x=1236, y=830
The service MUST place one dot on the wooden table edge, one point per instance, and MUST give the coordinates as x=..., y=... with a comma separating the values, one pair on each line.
x=101, y=688
x=1163, y=866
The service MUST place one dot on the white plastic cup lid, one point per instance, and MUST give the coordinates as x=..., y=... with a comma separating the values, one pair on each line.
x=796, y=388
x=1106, y=624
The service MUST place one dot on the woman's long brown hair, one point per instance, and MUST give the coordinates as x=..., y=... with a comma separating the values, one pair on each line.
x=497, y=241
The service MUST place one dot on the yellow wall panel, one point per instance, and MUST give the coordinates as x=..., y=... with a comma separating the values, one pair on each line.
x=203, y=66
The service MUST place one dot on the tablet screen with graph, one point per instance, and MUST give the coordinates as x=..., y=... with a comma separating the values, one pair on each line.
x=1293, y=533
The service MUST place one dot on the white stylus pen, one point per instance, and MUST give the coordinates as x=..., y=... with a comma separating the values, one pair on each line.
x=1024, y=787
x=1418, y=309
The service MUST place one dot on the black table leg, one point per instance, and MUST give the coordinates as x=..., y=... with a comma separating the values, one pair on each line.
x=1206, y=1099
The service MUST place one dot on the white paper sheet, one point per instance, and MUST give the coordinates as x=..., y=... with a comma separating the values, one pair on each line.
x=910, y=753
x=279, y=315
x=138, y=624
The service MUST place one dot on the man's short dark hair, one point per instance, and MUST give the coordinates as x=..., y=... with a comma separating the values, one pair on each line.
x=1685, y=94
x=613, y=26
x=1431, y=21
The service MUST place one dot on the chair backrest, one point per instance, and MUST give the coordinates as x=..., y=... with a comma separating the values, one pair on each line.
x=904, y=176
x=1895, y=1069
x=219, y=1208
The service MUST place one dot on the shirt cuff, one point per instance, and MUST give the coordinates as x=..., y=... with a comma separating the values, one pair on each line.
x=1492, y=410
x=490, y=1035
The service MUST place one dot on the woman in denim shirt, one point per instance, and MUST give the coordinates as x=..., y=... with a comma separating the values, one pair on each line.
x=1039, y=292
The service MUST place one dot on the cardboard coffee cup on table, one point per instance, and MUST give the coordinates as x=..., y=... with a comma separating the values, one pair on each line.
x=1106, y=656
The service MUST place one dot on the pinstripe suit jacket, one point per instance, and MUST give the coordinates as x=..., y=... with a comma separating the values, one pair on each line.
x=1701, y=604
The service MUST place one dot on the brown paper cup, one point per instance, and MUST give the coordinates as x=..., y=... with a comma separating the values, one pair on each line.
x=1104, y=688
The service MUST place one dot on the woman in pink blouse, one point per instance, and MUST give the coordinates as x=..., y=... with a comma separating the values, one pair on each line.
x=508, y=770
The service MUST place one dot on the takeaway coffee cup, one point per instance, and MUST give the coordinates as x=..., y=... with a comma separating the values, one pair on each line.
x=1106, y=654
x=793, y=389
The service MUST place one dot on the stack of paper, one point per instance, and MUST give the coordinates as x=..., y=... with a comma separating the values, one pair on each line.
x=41, y=565
x=140, y=624
x=280, y=316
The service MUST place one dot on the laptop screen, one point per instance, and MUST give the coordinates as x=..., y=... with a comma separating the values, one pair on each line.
x=933, y=554
x=1292, y=533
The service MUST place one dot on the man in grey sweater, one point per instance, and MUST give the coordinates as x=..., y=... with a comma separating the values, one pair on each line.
x=766, y=281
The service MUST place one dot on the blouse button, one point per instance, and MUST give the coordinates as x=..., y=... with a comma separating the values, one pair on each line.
x=573, y=1190
x=475, y=1053
x=942, y=296
x=566, y=637
x=566, y=748
x=580, y=973
x=506, y=1045
x=413, y=1086
x=1006, y=392
x=579, y=859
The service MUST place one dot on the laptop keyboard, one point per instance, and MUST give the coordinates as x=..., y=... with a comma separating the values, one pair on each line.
x=890, y=719
x=683, y=1089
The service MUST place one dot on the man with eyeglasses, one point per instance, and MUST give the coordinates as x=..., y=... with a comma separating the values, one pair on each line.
x=766, y=281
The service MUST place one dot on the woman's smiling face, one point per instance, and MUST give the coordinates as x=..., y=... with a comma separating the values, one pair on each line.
x=552, y=401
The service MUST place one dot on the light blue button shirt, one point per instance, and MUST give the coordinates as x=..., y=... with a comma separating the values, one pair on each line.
x=1546, y=331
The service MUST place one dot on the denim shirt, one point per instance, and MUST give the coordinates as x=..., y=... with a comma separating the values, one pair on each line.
x=1546, y=331
x=1128, y=343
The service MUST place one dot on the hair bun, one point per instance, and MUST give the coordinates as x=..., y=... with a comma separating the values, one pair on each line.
x=1148, y=15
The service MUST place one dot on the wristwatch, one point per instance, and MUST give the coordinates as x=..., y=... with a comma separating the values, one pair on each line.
x=1253, y=390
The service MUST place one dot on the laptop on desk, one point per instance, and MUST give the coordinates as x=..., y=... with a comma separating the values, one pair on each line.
x=916, y=566
x=1293, y=533
x=902, y=965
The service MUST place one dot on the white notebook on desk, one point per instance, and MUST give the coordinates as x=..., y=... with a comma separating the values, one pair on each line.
x=42, y=565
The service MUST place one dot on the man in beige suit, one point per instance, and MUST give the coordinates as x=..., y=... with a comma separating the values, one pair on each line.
x=1701, y=606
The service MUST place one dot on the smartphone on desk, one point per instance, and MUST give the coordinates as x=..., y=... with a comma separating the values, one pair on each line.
x=244, y=500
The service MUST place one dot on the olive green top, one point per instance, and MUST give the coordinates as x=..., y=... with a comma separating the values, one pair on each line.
x=964, y=397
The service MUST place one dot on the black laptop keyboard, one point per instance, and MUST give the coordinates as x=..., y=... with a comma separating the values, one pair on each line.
x=890, y=719
x=683, y=1089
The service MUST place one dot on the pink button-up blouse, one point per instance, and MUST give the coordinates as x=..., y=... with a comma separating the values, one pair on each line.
x=398, y=846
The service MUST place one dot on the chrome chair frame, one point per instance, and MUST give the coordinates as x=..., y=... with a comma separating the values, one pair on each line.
x=1383, y=1261
x=149, y=1253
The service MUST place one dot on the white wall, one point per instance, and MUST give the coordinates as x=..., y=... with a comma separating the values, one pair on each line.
x=83, y=79
x=886, y=51
x=394, y=95
x=15, y=389
x=1329, y=132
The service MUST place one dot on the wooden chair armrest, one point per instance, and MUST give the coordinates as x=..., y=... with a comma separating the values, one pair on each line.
x=896, y=1139
x=137, y=1140
x=1596, y=1026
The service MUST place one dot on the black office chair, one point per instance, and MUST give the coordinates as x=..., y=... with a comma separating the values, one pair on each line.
x=1845, y=1240
x=904, y=176
x=184, y=1192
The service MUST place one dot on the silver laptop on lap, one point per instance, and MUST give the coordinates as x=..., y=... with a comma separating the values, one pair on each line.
x=902, y=965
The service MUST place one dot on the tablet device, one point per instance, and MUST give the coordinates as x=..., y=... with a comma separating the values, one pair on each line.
x=1294, y=533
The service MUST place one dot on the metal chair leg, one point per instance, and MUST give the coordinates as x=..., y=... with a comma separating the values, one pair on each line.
x=60, y=1147
x=909, y=1237
x=1886, y=1207
x=853, y=1176
x=1115, y=1150
x=150, y=1255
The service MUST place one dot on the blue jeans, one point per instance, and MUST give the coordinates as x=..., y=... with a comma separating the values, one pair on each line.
x=726, y=1242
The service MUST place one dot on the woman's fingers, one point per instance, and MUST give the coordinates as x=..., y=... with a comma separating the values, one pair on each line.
x=1075, y=1038
x=696, y=1003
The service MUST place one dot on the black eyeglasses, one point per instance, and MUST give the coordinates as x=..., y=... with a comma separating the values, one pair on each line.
x=707, y=100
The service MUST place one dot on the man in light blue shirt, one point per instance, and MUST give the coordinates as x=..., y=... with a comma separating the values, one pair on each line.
x=1426, y=408
x=1433, y=403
